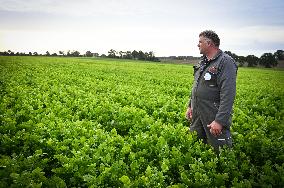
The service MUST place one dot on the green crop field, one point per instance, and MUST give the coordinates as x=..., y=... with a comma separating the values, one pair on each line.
x=78, y=122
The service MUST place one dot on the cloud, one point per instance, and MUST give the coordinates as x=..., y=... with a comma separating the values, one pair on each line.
x=262, y=33
x=164, y=26
x=81, y=8
x=128, y=38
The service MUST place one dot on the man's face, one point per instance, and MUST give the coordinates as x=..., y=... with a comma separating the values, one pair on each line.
x=203, y=45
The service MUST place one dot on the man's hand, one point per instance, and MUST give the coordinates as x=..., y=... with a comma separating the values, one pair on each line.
x=215, y=128
x=188, y=114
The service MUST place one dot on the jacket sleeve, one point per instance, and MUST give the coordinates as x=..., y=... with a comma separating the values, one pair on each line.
x=227, y=85
x=195, y=69
x=189, y=103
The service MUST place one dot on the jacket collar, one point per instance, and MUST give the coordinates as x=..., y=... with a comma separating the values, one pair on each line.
x=204, y=58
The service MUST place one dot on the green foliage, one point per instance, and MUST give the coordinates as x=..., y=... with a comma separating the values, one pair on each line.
x=252, y=60
x=113, y=123
x=268, y=60
x=279, y=54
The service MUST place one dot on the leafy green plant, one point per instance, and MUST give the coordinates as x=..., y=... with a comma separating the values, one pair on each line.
x=113, y=123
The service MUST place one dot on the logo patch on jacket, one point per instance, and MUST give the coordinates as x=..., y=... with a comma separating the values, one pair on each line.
x=212, y=70
x=207, y=76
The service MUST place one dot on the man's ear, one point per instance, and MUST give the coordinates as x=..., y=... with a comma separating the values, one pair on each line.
x=209, y=43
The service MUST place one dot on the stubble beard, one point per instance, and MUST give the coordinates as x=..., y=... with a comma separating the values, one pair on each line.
x=201, y=52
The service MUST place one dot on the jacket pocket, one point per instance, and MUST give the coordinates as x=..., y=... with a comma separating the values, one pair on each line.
x=210, y=79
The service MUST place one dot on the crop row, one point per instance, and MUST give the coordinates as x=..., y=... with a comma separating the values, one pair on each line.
x=70, y=122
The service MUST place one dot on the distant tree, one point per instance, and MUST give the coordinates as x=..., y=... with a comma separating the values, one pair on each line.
x=47, y=53
x=61, y=53
x=75, y=54
x=279, y=54
x=10, y=53
x=68, y=53
x=121, y=54
x=233, y=55
x=54, y=54
x=268, y=60
x=112, y=53
x=241, y=60
x=30, y=53
x=103, y=56
x=141, y=55
x=35, y=54
x=252, y=60
x=5, y=53
x=88, y=54
x=135, y=54
x=96, y=54
x=146, y=56
x=128, y=55
x=151, y=56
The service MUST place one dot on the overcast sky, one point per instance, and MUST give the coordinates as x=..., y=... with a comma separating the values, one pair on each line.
x=166, y=27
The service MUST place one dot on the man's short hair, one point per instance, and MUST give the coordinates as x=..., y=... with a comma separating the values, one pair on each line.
x=212, y=36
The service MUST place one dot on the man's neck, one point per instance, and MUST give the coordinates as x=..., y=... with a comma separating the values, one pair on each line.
x=212, y=53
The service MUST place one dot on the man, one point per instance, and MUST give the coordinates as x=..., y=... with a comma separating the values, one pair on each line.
x=213, y=93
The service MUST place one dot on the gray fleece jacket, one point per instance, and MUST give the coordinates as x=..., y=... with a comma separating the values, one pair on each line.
x=214, y=89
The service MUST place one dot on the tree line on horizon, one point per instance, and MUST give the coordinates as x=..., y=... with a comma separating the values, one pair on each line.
x=137, y=55
x=267, y=60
